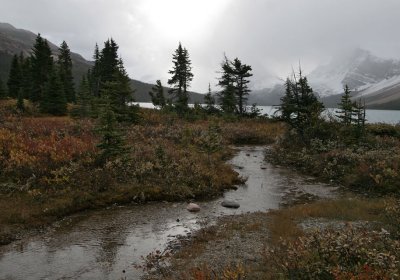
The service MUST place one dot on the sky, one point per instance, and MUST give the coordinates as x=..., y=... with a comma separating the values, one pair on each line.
x=272, y=36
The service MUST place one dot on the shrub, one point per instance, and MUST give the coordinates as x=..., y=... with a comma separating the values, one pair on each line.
x=347, y=253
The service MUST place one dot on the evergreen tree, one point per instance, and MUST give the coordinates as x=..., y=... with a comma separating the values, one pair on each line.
x=94, y=73
x=157, y=95
x=83, y=100
x=300, y=108
x=210, y=142
x=112, y=144
x=108, y=79
x=345, y=107
x=65, y=72
x=41, y=67
x=3, y=92
x=14, y=78
x=234, y=82
x=288, y=102
x=181, y=77
x=26, y=75
x=109, y=62
x=53, y=101
x=241, y=73
x=358, y=117
x=209, y=100
x=227, y=97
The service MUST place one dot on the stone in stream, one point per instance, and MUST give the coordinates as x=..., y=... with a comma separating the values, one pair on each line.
x=230, y=204
x=193, y=207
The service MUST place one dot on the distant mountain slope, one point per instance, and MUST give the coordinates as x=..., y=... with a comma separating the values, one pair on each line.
x=358, y=69
x=142, y=92
x=14, y=41
x=373, y=79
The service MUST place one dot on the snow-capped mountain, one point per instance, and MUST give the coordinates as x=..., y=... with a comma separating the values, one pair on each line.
x=359, y=69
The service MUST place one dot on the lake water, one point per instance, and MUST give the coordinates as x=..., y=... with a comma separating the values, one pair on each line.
x=372, y=116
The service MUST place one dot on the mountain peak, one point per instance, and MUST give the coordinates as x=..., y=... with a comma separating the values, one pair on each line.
x=357, y=68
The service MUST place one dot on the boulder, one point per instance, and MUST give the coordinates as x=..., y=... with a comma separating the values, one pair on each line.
x=193, y=207
x=230, y=204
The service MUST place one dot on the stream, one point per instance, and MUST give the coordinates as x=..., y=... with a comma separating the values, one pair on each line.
x=105, y=244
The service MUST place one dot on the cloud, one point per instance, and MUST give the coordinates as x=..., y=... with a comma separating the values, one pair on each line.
x=269, y=35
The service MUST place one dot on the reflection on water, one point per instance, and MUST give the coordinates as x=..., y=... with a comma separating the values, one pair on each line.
x=102, y=244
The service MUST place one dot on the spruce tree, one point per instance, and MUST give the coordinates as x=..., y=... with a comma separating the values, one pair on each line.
x=53, y=101
x=209, y=100
x=109, y=61
x=41, y=68
x=94, y=73
x=26, y=75
x=288, y=102
x=112, y=143
x=83, y=100
x=65, y=72
x=241, y=73
x=181, y=78
x=345, y=107
x=227, y=97
x=157, y=95
x=358, y=117
x=14, y=78
x=108, y=79
x=300, y=108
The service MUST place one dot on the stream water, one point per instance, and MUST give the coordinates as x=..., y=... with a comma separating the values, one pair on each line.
x=105, y=244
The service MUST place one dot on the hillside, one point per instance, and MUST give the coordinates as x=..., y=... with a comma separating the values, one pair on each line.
x=14, y=41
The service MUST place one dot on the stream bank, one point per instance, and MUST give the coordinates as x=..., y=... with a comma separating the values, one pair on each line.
x=105, y=244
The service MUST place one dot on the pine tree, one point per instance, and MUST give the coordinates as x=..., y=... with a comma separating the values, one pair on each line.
x=209, y=100
x=3, y=92
x=14, y=78
x=65, y=72
x=157, y=95
x=241, y=73
x=345, y=107
x=181, y=77
x=41, y=67
x=53, y=101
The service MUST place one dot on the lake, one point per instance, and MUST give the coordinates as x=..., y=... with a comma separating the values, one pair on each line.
x=372, y=116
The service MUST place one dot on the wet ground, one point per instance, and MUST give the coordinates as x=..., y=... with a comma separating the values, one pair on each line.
x=106, y=244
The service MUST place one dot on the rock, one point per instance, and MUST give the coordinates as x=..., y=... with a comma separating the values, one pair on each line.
x=230, y=204
x=193, y=207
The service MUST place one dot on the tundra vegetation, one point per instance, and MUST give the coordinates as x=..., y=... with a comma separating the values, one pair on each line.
x=64, y=149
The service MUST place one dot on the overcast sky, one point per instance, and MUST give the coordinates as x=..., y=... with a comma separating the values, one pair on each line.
x=269, y=35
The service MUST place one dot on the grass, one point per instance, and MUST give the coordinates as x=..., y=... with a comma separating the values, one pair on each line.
x=49, y=166
x=285, y=223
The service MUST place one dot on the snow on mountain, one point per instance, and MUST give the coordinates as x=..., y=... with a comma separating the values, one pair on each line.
x=376, y=88
x=359, y=69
